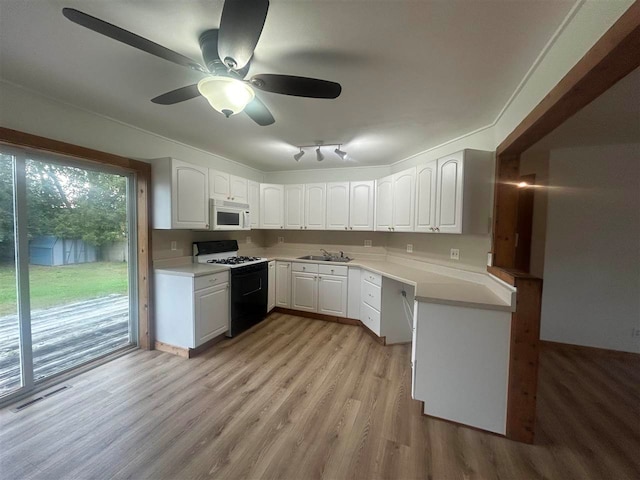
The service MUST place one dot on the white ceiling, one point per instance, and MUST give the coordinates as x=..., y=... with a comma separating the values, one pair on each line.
x=414, y=73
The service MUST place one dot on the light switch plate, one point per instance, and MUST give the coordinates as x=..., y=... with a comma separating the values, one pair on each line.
x=248, y=239
x=280, y=239
x=455, y=254
x=409, y=248
x=367, y=243
x=174, y=245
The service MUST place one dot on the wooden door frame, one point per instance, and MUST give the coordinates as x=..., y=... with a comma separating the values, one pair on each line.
x=142, y=172
x=614, y=56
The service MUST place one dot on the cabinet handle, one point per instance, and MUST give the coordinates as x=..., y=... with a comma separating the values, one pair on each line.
x=206, y=225
x=305, y=228
x=332, y=270
x=437, y=229
x=300, y=227
x=351, y=228
x=345, y=228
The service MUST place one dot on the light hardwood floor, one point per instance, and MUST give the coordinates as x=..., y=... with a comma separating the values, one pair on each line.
x=296, y=398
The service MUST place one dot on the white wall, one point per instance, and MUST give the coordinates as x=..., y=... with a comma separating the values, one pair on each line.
x=29, y=112
x=591, y=293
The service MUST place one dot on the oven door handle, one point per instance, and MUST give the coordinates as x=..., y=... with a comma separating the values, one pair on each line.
x=254, y=291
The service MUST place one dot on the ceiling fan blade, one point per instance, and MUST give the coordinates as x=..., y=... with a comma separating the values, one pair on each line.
x=259, y=113
x=178, y=95
x=240, y=28
x=296, y=86
x=129, y=38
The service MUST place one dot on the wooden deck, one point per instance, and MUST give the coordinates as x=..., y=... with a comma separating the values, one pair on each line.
x=64, y=336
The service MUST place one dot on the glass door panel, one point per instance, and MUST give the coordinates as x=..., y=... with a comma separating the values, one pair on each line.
x=78, y=265
x=10, y=369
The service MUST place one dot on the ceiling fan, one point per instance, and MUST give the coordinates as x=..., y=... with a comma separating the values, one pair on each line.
x=227, y=53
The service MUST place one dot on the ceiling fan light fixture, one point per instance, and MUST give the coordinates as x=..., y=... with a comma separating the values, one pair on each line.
x=298, y=155
x=226, y=95
x=341, y=153
x=319, y=155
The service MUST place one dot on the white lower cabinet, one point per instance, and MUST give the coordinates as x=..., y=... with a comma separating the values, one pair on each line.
x=271, y=291
x=283, y=284
x=319, y=288
x=190, y=310
x=460, y=362
x=371, y=300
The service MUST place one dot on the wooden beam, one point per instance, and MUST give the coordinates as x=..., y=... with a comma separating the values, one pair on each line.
x=142, y=172
x=613, y=57
x=505, y=210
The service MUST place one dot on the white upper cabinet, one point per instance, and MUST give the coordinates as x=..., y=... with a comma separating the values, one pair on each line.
x=180, y=195
x=314, y=206
x=239, y=189
x=219, y=185
x=384, y=203
x=426, y=197
x=449, y=194
x=223, y=186
x=271, y=206
x=253, y=191
x=294, y=207
x=404, y=195
x=361, y=205
x=337, y=206
x=455, y=193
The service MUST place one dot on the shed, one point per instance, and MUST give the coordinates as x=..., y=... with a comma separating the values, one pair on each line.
x=50, y=250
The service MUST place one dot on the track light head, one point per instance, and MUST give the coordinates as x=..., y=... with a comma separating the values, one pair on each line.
x=319, y=155
x=342, y=154
x=298, y=155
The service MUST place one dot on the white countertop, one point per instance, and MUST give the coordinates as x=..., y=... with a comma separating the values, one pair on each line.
x=430, y=286
x=193, y=269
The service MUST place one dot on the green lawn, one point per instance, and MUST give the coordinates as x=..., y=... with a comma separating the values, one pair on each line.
x=51, y=286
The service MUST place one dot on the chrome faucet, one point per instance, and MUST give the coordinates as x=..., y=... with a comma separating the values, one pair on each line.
x=327, y=254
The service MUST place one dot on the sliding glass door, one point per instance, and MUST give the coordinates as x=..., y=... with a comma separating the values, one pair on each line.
x=73, y=265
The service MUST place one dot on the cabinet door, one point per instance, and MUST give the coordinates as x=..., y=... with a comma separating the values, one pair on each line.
x=404, y=195
x=361, y=205
x=271, y=295
x=384, y=203
x=238, y=189
x=449, y=195
x=254, y=203
x=283, y=284
x=332, y=295
x=271, y=206
x=338, y=206
x=314, y=206
x=304, y=291
x=212, y=312
x=219, y=185
x=189, y=196
x=294, y=207
x=426, y=197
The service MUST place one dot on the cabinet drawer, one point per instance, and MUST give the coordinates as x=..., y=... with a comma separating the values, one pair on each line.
x=210, y=280
x=371, y=294
x=374, y=278
x=339, y=270
x=305, y=267
x=370, y=317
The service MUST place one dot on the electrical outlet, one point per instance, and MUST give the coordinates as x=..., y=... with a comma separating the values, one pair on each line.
x=280, y=239
x=635, y=332
x=409, y=248
x=248, y=239
x=174, y=245
x=455, y=254
x=367, y=243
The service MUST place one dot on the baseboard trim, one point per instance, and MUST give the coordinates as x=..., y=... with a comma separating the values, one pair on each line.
x=330, y=318
x=458, y=424
x=188, y=352
x=604, y=352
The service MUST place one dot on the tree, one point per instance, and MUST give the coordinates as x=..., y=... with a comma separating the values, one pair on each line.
x=66, y=202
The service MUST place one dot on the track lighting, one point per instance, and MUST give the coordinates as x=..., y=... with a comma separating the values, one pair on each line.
x=319, y=155
x=340, y=153
x=298, y=155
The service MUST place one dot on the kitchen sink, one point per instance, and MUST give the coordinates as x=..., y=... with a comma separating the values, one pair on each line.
x=324, y=258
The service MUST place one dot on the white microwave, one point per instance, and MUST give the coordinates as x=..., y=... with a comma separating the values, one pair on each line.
x=228, y=215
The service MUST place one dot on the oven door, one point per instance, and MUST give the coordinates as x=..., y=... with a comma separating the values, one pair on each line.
x=248, y=296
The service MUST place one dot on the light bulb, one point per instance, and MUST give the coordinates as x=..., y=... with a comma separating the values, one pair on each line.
x=226, y=95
